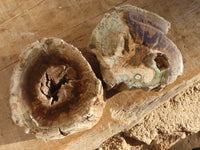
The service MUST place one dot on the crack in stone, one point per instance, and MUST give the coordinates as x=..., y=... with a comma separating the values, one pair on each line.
x=53, y=88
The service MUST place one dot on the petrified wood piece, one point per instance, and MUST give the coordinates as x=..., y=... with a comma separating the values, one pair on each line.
x=54, y=91
x=132, y=48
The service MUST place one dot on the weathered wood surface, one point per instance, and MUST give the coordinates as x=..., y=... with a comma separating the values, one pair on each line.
x=23, y=22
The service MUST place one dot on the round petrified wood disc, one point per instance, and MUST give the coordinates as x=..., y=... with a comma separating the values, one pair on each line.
x=54, y=91
x=132, y=48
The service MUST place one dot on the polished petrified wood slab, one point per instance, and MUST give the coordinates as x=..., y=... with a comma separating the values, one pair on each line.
x=23, y=22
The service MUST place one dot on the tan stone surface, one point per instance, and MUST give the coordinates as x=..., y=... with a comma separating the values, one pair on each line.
x=173, y=124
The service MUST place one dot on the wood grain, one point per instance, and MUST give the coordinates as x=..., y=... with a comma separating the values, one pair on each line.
x=23, y=22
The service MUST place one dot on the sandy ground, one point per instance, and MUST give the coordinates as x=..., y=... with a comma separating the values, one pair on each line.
x=175, y=126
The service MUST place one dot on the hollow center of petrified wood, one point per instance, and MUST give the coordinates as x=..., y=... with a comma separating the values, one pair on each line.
x=56, y=84
x=161, y=61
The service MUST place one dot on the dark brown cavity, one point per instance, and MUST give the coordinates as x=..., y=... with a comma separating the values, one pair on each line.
x=161, y=61
x=33, y=76
x=49, y=86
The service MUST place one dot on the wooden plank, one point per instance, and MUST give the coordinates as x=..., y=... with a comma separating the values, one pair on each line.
x=45, y=19
x=74, y=21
